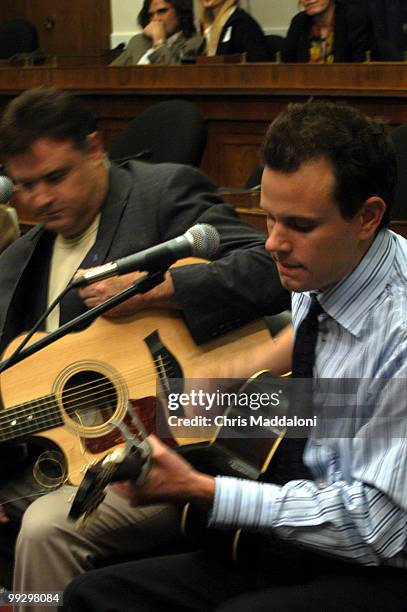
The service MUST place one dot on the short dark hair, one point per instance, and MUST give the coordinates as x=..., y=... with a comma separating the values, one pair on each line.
x=184, y=10
x=358, y=147
x=44, y=112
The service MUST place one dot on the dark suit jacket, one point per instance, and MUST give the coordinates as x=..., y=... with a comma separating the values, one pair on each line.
x=146, y=205
x=352, y=34
x=389, y=19
x=243, y=34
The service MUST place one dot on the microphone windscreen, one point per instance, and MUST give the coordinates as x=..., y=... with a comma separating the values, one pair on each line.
x=206, y=240
x=6, y=189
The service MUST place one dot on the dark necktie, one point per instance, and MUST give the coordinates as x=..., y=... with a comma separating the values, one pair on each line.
x=305, y=342
x=288, y=462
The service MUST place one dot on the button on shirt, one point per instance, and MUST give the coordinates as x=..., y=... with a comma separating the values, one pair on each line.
x=356, y=506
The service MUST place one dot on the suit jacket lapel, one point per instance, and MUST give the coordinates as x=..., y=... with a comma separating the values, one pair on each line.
x=112, y=212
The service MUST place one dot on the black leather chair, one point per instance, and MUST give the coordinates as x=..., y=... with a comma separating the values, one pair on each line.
x=169, y=131
x=254, y=180
x=17, y=36
x=275, y=45
x=399, y=138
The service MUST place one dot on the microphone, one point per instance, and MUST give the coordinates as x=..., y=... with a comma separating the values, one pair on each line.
x=201, y=240
x=6, y=189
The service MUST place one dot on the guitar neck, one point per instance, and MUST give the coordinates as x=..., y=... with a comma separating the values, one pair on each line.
x=29, y=418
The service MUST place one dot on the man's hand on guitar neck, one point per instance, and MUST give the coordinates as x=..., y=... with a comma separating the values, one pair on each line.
x=162, y=296
x=170, y=479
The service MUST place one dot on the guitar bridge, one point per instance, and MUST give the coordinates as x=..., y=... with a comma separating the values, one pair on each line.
x=166, y=365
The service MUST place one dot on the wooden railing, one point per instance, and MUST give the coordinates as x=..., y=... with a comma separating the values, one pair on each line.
x=238, y=101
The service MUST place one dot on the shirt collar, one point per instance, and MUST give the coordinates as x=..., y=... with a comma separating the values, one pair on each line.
x=349, y=301
x=171, y=39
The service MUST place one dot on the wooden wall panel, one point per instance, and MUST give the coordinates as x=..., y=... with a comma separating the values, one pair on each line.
x=12, y=9
x=79, y=26
x=232, y=152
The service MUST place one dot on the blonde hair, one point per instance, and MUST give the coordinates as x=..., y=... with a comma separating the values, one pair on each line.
x=207, y=19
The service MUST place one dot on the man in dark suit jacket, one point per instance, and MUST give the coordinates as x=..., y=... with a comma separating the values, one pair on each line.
x=92, y=212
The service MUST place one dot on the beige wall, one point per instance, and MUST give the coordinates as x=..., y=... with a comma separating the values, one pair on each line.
x=273, y=15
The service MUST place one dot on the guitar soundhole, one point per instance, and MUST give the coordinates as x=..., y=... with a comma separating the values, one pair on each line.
x=89, y=398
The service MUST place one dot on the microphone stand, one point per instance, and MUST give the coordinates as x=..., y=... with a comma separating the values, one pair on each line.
x=142, y=285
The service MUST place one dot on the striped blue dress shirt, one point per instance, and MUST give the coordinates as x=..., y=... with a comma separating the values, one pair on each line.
x=355, y=508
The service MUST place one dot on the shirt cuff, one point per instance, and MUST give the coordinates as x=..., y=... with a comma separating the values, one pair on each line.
x=241, y=503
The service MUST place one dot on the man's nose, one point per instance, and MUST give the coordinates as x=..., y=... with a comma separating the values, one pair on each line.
x=277, y=240
x=42, y=195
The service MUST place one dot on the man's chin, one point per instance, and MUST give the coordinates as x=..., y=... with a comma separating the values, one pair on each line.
x=294, y=286
x=59, y=226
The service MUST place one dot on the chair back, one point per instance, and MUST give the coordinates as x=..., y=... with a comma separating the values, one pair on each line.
x=17, y=36
x=399, y=138
x=254, y=180
x=275, y=45
x=169, y=131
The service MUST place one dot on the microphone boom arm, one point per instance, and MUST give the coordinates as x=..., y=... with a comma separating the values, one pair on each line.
x=142, y=285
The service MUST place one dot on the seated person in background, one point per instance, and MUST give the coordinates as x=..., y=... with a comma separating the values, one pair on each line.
x=389, y=20
x=328, y=31
x=91, y=211
x=334, y=539
x=228, y=30
x=169, y=35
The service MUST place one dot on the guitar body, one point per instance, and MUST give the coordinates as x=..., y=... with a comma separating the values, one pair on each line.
x=222, y=454
x=81, y=385
x=237, y=546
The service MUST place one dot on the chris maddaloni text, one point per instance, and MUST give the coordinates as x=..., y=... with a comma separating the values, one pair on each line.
x=252, y=420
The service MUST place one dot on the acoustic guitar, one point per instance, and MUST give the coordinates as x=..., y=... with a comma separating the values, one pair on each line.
x=72, y=392
x=224, y=454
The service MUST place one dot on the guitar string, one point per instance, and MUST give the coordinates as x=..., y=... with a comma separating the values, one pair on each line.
x=27, y=407
x=78, y=390
x=37, y=494
x=44, y=404
x=148, y=373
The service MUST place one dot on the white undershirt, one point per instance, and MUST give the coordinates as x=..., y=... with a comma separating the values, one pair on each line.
x=67, y=255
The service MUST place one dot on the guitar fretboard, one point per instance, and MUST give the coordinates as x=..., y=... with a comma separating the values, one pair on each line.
x=29, y=418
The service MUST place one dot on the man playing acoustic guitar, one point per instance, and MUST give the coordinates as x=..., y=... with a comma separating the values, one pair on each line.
x=91, y=211
x=327, y=190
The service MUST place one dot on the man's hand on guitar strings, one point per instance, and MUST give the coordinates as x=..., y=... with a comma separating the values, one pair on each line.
x=171, y=479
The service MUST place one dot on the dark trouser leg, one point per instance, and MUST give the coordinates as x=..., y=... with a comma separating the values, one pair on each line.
x=367, y=589
x=192, y=581
x=198, y=581
x=18, y=489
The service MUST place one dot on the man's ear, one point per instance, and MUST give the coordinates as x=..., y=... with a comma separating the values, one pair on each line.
x=95, y=146
x=371, y=215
